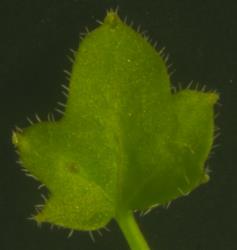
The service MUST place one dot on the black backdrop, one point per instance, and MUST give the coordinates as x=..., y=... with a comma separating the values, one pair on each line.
x=200, y=36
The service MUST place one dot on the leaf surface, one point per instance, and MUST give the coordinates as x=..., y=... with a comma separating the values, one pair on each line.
x=125, y=141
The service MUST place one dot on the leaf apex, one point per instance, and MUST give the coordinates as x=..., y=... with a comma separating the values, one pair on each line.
x=15, y=139
x=112, y=18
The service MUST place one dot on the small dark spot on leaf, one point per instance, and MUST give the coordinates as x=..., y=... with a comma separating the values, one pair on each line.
x=73, y=167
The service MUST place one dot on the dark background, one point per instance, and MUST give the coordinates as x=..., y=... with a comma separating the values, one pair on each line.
x=35, y=38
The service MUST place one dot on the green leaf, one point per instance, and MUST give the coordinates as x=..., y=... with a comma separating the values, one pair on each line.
x=125, y=141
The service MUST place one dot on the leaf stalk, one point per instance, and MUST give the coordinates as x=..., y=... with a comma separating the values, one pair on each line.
x=131, y=231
